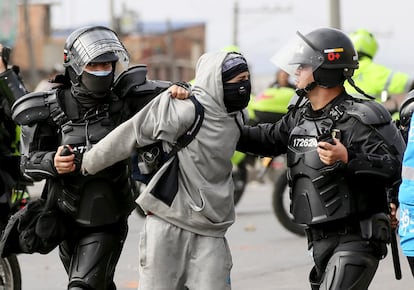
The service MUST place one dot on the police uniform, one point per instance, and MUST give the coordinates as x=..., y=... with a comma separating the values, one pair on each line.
x=80, y=112
x=344, y=206
x=11, y=88
x=375, y=78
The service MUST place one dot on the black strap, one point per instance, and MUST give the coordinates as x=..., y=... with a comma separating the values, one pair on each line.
x=188, y=136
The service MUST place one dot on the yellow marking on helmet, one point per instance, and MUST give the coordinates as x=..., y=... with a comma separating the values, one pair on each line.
x=339, y=49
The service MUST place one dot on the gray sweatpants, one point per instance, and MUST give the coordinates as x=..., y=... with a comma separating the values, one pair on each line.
x=173, y=258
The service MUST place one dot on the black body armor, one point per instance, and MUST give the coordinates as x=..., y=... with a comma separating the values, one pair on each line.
x=317, y=196
x=323, y=193
x=102, y=198
x=54, y=118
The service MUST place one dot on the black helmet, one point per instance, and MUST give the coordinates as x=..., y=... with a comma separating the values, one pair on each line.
x=328, y=51
x=335, y=46
x=407, y=109
x=93, y=44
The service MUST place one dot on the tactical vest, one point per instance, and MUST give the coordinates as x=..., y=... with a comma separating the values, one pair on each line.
x=317, y=195
x=97, y=199
x=102, y=198
x=90, y=200
x=320, y=193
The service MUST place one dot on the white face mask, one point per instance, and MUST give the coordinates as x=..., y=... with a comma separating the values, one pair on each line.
x=100, y=73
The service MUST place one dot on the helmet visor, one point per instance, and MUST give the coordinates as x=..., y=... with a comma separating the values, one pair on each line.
x=93, y=44
x=297, y=52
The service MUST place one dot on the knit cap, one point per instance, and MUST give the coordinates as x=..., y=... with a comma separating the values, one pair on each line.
x=233, y=64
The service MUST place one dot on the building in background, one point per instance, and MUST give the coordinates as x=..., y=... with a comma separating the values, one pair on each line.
x=169, y=49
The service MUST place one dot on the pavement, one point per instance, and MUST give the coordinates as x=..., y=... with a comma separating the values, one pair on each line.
x=265, y=255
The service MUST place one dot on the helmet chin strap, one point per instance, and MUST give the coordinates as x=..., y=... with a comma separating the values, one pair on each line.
x=302, y=93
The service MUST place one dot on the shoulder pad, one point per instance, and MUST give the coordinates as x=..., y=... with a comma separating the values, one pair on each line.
x=368, y=112
x=151, y=86
x=135, y=75
x=33, y=107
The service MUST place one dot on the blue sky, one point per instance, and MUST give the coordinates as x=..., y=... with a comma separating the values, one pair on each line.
x=264, y=25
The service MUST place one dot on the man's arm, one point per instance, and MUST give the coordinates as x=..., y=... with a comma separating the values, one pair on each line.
x=118, y=145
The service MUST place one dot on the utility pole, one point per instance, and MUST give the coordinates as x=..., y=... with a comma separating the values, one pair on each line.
x=171, y=52
x=335, y=14
x=236, y=23
x=112, y=15
x=33, y=75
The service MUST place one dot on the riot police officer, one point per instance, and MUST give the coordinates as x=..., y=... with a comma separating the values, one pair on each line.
x=344, y=155
x=11, y=88
x=91, y=101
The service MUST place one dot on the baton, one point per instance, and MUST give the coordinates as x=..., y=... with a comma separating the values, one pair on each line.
x=395, y=256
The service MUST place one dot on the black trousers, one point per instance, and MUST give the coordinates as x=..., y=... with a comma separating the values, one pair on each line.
x=90, y=255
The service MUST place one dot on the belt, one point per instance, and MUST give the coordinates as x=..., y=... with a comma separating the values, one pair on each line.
x=316, y=234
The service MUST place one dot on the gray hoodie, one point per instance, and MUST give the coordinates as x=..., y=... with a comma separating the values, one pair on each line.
x=204, y=202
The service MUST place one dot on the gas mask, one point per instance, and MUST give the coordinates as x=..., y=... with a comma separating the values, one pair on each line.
x=236, y=95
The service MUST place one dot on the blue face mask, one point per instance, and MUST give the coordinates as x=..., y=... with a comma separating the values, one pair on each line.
x=100, y=73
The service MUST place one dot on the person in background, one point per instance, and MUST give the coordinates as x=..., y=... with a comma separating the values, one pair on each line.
x=406, y=192
x=270, y=105
x=343, y=154
x=183, y=244
x=97, y=92
x=282, y=80
x=11, y=88
x=387, y=85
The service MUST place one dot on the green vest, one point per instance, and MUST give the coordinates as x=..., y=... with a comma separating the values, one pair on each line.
x=374, y=78
x=274, y=100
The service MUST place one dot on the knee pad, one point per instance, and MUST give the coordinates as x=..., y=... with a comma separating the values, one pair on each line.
x=94, y=260
x=349, y=270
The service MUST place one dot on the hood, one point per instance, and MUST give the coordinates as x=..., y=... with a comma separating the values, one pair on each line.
x=208, y=82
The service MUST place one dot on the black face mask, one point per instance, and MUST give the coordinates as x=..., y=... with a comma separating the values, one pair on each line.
x=236, y=95
x=97, y=85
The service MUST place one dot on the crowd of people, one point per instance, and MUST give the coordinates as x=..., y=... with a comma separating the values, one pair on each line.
x=349, y=165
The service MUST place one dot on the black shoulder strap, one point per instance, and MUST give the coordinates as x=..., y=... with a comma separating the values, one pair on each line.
x=188, y=136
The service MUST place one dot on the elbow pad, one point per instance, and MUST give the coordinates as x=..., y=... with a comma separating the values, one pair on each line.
x=381, y=166
x=34, y=107
x=39, y=166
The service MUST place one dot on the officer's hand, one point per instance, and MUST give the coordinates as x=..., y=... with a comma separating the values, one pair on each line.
x=330, y=153
x=64, y=161
x=393, y=216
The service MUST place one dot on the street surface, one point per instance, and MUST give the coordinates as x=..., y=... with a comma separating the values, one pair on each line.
x=265, y=255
